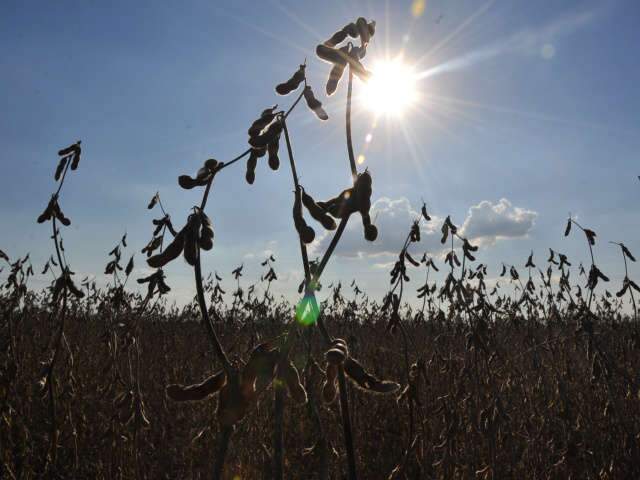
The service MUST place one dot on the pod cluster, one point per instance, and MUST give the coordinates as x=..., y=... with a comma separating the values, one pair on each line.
x=53, y=210
x=264, y=138
x=240, y=389
x=293, y=83
x=165, y=221
x=412, y=389
x=350, y=55
x=65, y=282
x=319, y=214
x=447, y=227
x=69, y=156
x=352, y=200
x=196, y=234
x=204, y=175
x=156, y=279
x=338, y=356
x=467, y=250
x=306, y=233
x=114, y=264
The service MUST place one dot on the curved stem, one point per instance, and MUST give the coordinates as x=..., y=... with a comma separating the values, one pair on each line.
x=64, y=174
x=346, y=424
x=50, y=379
x=332, y=246
x=344, y=399
x=294, y=173
x=234, y=160
x=56, y=243
x=352, y=159
x=295, y=103
x=225, y=439
x=205, y=196
x=278, y=447
x=226, y=364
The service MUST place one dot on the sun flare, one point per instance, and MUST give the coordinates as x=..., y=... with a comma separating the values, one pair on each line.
x=391, y=90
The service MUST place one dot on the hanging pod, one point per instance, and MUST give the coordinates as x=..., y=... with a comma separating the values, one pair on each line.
x=186, y=182
x=266, y=117
x=198, y=391
x=337, y=38
x=316, y=212
x=336, y=73
x=260, y=367
x=307, y=234
x=60, y=216
x=363, y=30
x=61, y=164
x=206, y=233
x=153, y=244
x=293, y=83
x=314, y=104
x=332, y=55
x=72, y=153
x=173, y=250
x=203, y=176
x=154, y=201
x=252, y=163
x=365, y=380
x=271, y=133
x=272, y=149
x=370, y=230
x=192, y=238
x=291, y=378
x=329, y=387
x=48, y=212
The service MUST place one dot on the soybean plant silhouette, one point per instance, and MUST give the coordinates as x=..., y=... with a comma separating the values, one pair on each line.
x=522, y=371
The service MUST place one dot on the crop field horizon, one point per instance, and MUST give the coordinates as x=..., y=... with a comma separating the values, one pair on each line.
x=379, y=340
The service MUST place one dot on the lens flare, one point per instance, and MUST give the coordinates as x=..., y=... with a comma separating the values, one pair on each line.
x=307, y=310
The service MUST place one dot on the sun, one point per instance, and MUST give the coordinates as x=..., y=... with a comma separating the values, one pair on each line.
x=392, y=89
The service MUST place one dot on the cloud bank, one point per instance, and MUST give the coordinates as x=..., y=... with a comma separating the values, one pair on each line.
x=485, y=224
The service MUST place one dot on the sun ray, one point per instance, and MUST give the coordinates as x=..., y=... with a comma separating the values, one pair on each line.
x=522, y=113
x=417, y=154
x=298, y=21
x=459, y=29
x=266, y=33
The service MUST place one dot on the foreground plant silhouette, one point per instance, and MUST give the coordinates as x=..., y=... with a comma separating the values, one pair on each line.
x=238, y=383
x=497, y=385
x=60, y=289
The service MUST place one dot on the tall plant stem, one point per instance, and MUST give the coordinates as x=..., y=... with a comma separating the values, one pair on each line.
x=226, y=364
x=57, y=343
x=223, y=446
x=346, y=424
x=278, y=440
x=352, y=159
x=342, y=383
x=592, y=261
x=294, y=174
x=217, y=346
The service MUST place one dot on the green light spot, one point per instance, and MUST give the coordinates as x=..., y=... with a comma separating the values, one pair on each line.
x=307, y=310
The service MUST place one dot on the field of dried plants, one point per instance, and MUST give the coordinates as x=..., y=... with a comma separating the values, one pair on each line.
x=531, y=377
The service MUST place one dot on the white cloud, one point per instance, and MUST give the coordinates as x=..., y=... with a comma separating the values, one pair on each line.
x=393, y=219
x=485, y=223
x=271, y=249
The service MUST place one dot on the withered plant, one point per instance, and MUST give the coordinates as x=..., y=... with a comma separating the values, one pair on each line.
x=61, y=288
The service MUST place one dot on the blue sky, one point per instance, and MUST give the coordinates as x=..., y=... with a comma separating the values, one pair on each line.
x=528, y=112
